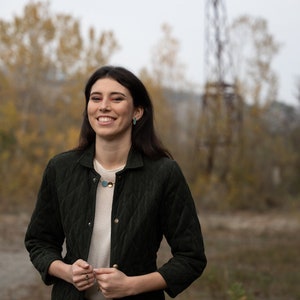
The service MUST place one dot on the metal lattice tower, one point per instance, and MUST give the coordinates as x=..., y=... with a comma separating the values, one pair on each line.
x=217, y=58
x=220, y=115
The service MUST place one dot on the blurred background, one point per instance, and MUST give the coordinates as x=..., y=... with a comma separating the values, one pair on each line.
x=225, y=82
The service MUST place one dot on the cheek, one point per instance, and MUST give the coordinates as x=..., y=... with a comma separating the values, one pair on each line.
x=90, y=108
x=89, y=112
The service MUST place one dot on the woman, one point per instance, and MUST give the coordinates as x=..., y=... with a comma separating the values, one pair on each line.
x=111, y=200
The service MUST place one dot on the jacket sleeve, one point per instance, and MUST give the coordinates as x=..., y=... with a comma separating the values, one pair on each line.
x=183, y=233
x=44, y=236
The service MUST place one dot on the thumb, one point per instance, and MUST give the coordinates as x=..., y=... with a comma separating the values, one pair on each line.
x=100, y=271
x=82, y=263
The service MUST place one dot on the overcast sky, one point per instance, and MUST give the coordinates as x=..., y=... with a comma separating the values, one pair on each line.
x=137, y=27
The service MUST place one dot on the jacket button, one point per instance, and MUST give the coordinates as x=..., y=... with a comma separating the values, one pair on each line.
x=89, y=224
x=116, y=220
x=115, y=266
x=95, y=179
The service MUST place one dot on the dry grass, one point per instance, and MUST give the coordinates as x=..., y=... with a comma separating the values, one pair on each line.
x=249, y=257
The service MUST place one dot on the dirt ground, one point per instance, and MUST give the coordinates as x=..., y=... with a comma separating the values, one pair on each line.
x=16, y=272
x=19, y=280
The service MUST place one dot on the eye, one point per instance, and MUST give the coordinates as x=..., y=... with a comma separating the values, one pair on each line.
x=95, y=98
x=117, y=99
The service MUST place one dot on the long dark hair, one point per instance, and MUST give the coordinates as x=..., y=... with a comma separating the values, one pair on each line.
x=143, y=138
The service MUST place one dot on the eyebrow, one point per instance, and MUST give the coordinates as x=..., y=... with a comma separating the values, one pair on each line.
x=111, y=94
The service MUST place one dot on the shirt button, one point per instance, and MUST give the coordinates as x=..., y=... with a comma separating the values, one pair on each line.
x=116, y=220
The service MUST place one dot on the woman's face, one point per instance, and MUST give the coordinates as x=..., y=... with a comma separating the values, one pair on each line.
x=110, y=110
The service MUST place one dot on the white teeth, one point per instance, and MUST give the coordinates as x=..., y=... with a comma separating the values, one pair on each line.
x=104, y=119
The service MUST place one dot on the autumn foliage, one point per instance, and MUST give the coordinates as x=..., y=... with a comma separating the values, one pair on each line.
x=44, y=63
x=45, y=60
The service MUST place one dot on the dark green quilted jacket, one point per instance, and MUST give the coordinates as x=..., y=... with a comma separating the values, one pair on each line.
x=151, y=199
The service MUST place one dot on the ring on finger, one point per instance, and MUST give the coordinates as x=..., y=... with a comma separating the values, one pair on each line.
x=86, y=277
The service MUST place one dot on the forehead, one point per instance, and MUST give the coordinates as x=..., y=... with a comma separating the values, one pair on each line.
x=108, y=85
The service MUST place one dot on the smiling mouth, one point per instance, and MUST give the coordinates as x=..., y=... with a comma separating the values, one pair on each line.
x=105, y=119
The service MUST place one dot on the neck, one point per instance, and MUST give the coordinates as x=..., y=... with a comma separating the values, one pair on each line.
x=111, y=155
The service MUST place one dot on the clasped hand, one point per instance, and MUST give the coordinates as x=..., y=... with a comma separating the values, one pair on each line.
x=111, y=282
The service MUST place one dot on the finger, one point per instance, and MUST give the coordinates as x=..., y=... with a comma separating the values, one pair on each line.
x=102, y=290
x=85, y=282
x=104, y=271
x=88, y=277
x=83, y=277
x=82, y=263
x=81, y=268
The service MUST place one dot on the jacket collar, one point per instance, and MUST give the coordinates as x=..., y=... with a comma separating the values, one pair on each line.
x=135, y=158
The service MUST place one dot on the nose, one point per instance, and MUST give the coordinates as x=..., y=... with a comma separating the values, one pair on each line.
x=104, y=105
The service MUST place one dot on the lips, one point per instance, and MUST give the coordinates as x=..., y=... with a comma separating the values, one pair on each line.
x=104, y=119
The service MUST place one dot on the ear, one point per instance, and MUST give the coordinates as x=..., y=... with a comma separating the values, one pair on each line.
x=138, y=113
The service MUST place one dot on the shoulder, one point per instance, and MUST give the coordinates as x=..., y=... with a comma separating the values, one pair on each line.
x=73, y=160
x=137, y=160
x=65, y=162
x=67, y=157
x=163, y=162
x=163, y=166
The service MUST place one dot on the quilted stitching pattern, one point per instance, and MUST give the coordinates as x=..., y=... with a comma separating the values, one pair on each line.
x=151, y=199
